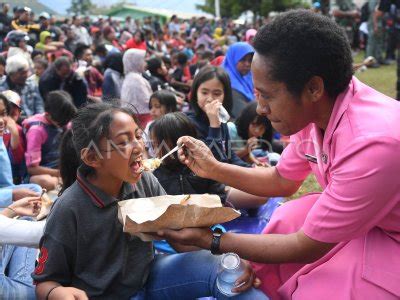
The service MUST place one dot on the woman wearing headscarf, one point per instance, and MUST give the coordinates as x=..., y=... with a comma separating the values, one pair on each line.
x=237, y=63
x=250, y=34
x=219, y=37
x=113, y=76
x=136, y=90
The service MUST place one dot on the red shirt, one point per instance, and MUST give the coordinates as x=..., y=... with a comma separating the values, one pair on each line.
x=131, y=43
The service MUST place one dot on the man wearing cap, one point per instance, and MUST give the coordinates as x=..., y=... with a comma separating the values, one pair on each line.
x=17, y=69
x=22, y=23
x=17, y=41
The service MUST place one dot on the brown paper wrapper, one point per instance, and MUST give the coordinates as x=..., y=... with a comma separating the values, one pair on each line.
x=148, y=215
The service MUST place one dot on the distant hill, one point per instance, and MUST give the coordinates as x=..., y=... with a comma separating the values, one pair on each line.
x=35, y=5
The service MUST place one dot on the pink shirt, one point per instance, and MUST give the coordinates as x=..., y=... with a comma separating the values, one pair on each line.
x=358, y=167
x=35, y=138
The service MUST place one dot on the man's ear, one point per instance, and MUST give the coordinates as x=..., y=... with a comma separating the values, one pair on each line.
x=91, y=158
x=315, y=88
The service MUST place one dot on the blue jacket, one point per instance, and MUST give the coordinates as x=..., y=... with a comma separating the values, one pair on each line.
x=217, y=139
x=5, y=176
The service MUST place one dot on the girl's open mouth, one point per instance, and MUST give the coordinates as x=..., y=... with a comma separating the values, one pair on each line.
x=136, y=166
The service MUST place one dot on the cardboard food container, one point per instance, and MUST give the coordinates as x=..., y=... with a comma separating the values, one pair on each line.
x=148, y=215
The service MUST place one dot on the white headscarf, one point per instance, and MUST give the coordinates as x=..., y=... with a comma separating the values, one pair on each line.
x=136, y=90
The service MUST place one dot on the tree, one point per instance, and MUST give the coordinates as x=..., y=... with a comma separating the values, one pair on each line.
x=80, y=7
x=234, y=8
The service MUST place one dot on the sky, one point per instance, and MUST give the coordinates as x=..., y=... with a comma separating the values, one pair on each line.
x=179, y=5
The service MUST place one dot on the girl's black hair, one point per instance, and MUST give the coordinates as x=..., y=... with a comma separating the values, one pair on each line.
x=248, y=116
x=166, y=131
x=153, y=64
x=69, y=161
x=114, y=62
x=91, y=123
x=80, y=50
x=60, y=106
x=142, y=37
x=167, y=99
x=7, y=103
x=205, y=74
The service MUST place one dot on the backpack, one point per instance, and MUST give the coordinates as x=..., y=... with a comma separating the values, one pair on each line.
x=365, y=13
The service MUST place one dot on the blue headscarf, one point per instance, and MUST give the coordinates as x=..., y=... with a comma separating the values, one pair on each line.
x=243, y=84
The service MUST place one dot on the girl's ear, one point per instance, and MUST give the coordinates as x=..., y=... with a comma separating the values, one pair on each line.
x=91, y=157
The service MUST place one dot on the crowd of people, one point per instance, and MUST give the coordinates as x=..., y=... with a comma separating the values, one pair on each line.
x=83, y=102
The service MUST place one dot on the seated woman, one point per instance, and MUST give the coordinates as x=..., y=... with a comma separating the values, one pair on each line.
x=237, y=64
x=84, y=251
x=136, y=90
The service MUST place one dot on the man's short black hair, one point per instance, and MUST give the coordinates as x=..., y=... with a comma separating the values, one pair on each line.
x=80, y=50
x=60, y=107
x=300, y=44
x=153, y=64
x=61, y=62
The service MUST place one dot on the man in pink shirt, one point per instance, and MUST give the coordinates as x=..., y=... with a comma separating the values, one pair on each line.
x=343, y=243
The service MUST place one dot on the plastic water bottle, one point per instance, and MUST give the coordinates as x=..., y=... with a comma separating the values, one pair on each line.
x=230, y=269
x=223, y=115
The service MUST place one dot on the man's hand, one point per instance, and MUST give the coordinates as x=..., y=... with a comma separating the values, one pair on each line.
x=247, y=280
x=198, y=237
x=67, y=293
x=197, y=156
x=18, y=194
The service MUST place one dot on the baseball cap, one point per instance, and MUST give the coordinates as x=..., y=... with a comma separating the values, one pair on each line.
x=44, y=15
x=13, y=97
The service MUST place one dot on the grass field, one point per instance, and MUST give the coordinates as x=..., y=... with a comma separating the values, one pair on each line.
x=382, y=79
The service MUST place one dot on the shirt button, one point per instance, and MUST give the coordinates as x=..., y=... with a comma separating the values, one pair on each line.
x=324, y=158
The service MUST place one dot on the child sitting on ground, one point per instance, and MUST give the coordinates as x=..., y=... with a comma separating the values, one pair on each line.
x=161, y=103
x=14, y=139
x=252, y=137
x=84, y=251
x=43, y=133
x=211, y=90
x=176, y=178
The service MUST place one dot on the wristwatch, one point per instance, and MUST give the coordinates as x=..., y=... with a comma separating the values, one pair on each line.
x=217, y=233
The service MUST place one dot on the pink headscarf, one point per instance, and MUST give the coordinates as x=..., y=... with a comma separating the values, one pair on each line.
x=250, y=33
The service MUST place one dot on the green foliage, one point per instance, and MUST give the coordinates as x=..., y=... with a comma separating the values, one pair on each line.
x=81, y=7
x=234, y=8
